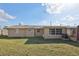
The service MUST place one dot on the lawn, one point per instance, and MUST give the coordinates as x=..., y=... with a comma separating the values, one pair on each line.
x=38, y=47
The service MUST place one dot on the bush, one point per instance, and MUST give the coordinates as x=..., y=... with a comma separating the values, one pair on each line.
x=3, y=36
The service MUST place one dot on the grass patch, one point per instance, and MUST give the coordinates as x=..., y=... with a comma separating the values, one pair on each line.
x=38, y=46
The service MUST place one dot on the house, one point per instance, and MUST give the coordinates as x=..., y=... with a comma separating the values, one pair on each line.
x=48, y=32
x=3, y=32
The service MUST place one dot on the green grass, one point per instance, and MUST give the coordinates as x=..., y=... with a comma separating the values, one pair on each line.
x=38, y=47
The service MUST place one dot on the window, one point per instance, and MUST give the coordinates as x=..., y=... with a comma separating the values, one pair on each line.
x=55, y=31
x=38, y=30
x=52, y=31
x=58, y=31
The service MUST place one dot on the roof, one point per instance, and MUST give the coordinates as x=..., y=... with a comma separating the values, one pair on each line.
x=35, y=26
x=24, y=26
x=71, y=27
x=55, y=26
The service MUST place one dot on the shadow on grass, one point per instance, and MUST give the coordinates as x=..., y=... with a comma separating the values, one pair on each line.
x=40, y=40
x=6, y=37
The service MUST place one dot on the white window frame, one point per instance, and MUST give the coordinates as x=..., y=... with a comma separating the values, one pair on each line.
x=55, y=29
x=50, y=31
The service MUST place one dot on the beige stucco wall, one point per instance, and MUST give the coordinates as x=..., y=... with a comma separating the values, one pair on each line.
x=12, y=33
x=29, y=32
x=21, y=33
x=74, y=35
x=4, y=31
x=48, y=36
x=40, y=33
x=69, y=31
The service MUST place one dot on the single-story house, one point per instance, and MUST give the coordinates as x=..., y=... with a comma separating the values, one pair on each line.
x=48, y=32
x=3, y=32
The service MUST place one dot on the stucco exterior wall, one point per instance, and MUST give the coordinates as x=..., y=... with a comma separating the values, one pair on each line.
x=4, y=32
x=40, y=33
x=21, y=33
x=12, y=33
x=29, y=32
x=69, y=31
x=74, y=35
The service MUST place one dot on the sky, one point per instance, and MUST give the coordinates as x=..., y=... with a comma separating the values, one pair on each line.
x=39, y=14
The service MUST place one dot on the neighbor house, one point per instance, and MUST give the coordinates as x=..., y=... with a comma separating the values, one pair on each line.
x=48, y=32
x=3, y=32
